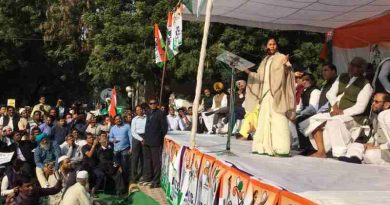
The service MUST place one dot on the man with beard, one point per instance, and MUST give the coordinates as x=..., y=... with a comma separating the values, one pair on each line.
x=67, y=176
x=44, y=153
x=220, y=100
x=377, y=149
x=272, y=86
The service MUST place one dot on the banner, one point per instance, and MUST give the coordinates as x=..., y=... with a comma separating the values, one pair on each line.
x=288, y=198
x=189, y=181
x=233, y=187
x=204, y=193
x=165, y=165
x=261, y=194
x=217, y=171
x=6, y=157
x=174, y=163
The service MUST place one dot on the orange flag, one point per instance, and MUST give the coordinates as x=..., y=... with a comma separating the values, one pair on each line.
x=112, y=110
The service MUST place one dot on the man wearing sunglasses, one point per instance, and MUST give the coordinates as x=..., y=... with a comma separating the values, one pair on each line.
x=155, y=129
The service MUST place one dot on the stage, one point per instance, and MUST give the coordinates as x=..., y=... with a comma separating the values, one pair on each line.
x=323, y=181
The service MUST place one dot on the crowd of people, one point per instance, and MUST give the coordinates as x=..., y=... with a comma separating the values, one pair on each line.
x=73, y=153
x=70, y=154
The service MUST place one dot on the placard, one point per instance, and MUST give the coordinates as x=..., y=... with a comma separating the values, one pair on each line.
x=6, y=157
x=174, y=163
x=189, y=181
x=233, y=188
x=204, y=193
x=11, y=102
x=261, y=194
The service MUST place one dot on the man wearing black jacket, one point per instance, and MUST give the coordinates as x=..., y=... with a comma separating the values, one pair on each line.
x=10, y=119
x=155, y=129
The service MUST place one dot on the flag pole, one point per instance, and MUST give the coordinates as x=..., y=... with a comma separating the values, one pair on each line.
x=200, y=72
x=163, y=74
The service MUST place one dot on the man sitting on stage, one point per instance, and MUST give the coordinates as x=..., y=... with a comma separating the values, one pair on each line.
x=307, y=107
x=220, y=100
x=349, y=97
x=222, y=115
x=329, y=74
x=377, y=149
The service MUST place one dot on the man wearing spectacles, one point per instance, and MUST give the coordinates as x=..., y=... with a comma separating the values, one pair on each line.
x=155, y=129
x=377, y=149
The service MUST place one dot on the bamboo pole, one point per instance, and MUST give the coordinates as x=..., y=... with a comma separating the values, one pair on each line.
x=200, y=72
x=165, y=66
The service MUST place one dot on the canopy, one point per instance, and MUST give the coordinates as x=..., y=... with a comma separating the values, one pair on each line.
x=369, y=39
x=308, y=15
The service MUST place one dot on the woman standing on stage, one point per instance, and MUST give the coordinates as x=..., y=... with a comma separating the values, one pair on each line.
x=272, y=86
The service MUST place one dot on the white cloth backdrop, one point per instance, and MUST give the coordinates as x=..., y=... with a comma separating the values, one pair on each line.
x=309, y=15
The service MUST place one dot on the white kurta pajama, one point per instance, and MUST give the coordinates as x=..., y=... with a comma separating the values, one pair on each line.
x=208, y=120
x=272, y=135
x=340, y=130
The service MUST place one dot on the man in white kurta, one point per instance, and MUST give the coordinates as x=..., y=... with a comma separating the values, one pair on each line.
x=377, y=149
x=276, y=98
x=77, y=194
x=349, y=97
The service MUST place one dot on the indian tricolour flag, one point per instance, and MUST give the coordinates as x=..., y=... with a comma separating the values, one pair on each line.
x=174, y=31
x=171, y=52
x=160, y=45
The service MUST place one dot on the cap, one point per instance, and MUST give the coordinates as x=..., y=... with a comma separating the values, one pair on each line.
x=7, y=127
x=22, y=110
x=40, y=137
x=62, y=158
x=82, y=175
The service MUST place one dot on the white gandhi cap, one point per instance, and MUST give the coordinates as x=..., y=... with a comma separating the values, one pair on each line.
x=82, y=175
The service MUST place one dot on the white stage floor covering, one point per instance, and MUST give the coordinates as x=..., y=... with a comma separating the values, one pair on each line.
x=324, y=181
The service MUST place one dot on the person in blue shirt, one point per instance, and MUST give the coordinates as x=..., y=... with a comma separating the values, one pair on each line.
x=120, y=135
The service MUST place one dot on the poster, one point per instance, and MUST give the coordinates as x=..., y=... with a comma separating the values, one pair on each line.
x=11, y=102
x=174, y=162
x=261, y=194
x=204, y=181
x=164, y=165
x=6, y=157
x=189, y=180
x=217, y=171
x=233, y=187
x=288, y=198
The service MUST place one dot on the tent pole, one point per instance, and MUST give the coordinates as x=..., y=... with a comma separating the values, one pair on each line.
x=200, y=73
